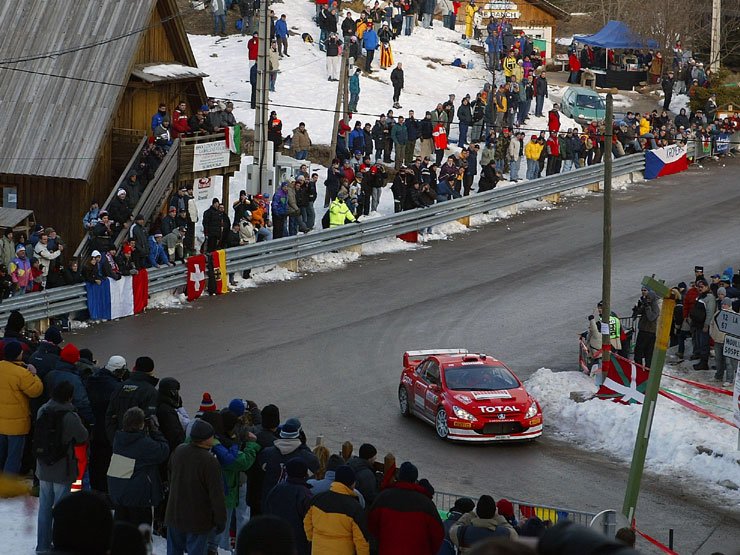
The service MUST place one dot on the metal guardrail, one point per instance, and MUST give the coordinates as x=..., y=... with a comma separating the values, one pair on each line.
x=522, y=509
x=71, y=298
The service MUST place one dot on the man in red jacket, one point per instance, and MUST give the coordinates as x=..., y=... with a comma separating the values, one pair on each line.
x=553, y=119
x=689, y=300
x=404, y=519
x=252, y=47
x=180, y=121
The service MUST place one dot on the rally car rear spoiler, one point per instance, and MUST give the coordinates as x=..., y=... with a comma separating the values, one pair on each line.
x=412, y=358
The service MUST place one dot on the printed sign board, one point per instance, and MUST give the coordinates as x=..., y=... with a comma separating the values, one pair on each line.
x=208, y=156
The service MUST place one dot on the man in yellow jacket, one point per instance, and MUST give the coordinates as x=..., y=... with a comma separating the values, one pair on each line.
x=339, y=212
x=18, y=384
x=335, y=521
x=532, y=152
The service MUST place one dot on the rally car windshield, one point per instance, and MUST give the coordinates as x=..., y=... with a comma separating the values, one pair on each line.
x=479, y=378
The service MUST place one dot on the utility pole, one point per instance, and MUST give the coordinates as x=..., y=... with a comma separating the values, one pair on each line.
x=263, y=158
x=651, y=394
x=606, y=276
x=341, y=100
x=716, y=22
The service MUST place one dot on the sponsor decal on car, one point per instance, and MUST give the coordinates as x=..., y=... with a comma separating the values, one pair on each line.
x=464, y=399
x=462, y=424
x=498, y=408
x=431, y=397
x=500, y=394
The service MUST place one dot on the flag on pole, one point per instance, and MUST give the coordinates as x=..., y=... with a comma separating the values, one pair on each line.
x=234, y=139
x=625, y=381
x=196, y=277
x=114, y=299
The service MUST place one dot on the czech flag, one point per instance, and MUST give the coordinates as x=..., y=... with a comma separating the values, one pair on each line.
x=218, y=280
x=114, y=299
x=665, y=161
x=196, y=277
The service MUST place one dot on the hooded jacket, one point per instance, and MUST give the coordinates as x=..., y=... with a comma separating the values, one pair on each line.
x=64, y=471
x=139, y=390
x=272, y=460
x=470, y=529
x=100, y=387
x=365, y=479
x=133, y=475
x=335, y=523
x=17, y=385
x=64, y=371
x=405, y=521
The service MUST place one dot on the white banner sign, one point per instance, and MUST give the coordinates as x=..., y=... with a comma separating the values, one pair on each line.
x=729, y=322
x=732, y=347
x=208, y=156
x=204, y=186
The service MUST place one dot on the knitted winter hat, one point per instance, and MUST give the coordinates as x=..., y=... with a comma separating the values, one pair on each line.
x=144, y=364
x=270, y=417
x=505, y=508
x=344, y=475
x=207, y=404
x=237, y=407
x=54, y=335
x=12, y=350
x=70, y=354
x=486, y=507
x=408, y=473
x=201, y=430
x=367, y=451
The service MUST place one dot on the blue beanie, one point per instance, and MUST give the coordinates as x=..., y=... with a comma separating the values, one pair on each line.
x=237, y=407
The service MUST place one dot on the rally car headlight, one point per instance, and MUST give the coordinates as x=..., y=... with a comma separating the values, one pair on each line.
x=531, y=411
x=463, y=414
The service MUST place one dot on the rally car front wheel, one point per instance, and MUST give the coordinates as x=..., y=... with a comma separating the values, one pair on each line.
x=440, y=424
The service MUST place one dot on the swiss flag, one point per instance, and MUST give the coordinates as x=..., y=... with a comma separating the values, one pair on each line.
x=196, y=276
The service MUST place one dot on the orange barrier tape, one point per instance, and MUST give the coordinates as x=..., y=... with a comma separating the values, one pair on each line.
x=701, y=385
x=655, y=542
x=695, y=408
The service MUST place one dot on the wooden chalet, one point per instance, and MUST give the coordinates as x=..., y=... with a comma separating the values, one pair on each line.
x=538, y=18
x=79, y=83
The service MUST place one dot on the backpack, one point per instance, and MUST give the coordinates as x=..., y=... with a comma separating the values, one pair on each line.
x=698, y=314
x=239, y=24
x=47, y=445
x=325, y=220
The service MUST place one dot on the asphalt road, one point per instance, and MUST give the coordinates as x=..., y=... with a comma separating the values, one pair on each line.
x=327, y=347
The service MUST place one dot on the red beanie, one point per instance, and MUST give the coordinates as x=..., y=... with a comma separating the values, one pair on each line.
x=70, y=354
x=505, y=508
x=207, y=404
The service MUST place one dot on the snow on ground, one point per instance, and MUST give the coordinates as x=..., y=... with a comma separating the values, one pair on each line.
x=304, y=94
x=676, y=434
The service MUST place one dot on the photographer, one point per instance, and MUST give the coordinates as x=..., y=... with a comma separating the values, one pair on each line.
x=647, y=310
x=594, y=337
x=134, y=482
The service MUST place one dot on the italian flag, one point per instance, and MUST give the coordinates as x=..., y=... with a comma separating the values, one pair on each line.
x=234, y=139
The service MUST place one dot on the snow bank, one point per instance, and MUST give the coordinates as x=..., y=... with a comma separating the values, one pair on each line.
x=611, y=427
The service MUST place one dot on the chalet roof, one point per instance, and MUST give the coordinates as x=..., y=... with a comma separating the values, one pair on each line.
x=11, y=217
x=63, y=68
x=550, y=8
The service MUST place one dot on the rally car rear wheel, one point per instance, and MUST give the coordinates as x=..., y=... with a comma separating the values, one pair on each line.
x=440, y=424
x=403, y=401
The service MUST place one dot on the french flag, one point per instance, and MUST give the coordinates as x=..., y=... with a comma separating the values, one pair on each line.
x=114, y=299
x=665, y=161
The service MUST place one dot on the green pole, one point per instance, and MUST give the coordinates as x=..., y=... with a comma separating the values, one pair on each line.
x=651, y=394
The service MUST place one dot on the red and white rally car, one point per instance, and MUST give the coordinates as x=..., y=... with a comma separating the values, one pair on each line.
x=467, y=396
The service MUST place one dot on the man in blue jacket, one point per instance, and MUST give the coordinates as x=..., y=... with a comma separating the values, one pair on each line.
x=66, y=370
x=356, y=138
x=281, y=35
x=370, y=43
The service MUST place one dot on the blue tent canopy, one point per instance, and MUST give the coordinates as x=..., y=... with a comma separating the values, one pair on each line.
x=615, y=35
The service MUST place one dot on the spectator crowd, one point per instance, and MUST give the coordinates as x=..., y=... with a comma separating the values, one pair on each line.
x=240, y=478
x=695, y=321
